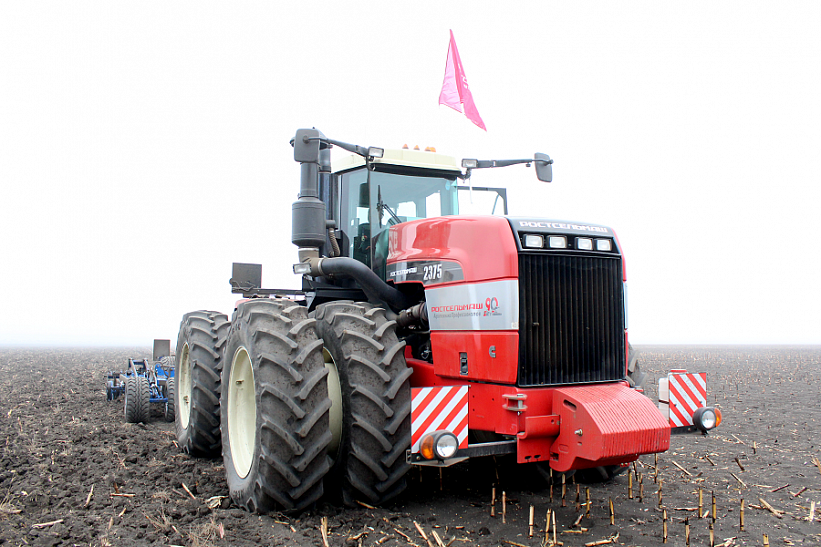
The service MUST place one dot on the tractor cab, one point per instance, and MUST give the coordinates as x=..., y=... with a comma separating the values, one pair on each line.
x=401, y=186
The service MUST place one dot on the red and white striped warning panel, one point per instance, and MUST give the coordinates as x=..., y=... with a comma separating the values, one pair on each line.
x=435, y=408
x=688, y=393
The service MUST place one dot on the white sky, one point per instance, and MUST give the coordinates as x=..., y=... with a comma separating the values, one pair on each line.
x=144, y=147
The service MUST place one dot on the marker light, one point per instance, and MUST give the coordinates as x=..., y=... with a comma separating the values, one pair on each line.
x=706, y=418
x=438, y=445
x=584, y=243
x=534, y=241
x=604, y=245
x=558, y=242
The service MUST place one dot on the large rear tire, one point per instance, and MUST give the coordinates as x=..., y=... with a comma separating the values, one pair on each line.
x=275, y=408
x=635, y=376
x=370, y=462
x=200, y=347
x=137, y=399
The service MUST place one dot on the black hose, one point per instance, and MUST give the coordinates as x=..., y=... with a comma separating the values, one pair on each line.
x=371, y=284
x=334, y=243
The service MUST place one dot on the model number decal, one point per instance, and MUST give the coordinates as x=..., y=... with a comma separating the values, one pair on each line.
x=432, y=272
x=427, y=272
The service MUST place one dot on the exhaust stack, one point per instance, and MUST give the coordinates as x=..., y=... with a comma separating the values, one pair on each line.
x=308, y=229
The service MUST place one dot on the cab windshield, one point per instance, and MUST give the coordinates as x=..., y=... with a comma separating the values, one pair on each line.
x=367, y=209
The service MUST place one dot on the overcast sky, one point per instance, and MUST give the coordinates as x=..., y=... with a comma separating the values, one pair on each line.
x=144, y=147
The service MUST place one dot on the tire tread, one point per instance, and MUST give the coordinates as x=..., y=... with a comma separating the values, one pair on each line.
x=206, y=333
x=375, y=382
x=293, y=407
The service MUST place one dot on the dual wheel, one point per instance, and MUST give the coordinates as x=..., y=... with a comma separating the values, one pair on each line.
x=314, y=404
x=170, y=389
x=195, y=389
x=137, y=399
x=301, y=405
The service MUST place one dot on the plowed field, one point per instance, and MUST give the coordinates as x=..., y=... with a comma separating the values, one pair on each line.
x=72, y=472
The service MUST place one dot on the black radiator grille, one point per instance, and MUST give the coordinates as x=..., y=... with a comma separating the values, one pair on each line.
x=571, y=319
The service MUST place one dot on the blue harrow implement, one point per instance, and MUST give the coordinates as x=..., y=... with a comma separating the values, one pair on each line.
x=143, y=383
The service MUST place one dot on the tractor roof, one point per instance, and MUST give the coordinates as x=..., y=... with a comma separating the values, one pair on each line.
x=405, y=158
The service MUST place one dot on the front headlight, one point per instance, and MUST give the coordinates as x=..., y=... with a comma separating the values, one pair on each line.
x=706, y=418
x=558, y=242
x=533, y=241
x=439, y=445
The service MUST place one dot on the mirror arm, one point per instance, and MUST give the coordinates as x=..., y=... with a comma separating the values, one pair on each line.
x=484, y=164
x=328, y=143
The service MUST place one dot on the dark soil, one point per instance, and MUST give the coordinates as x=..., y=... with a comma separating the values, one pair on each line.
x=72, y=472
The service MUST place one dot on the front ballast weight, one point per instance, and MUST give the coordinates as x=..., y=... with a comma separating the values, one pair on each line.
x=144, y=382
x=440, y=421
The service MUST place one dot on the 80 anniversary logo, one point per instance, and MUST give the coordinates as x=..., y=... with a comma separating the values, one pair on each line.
x=490, y=307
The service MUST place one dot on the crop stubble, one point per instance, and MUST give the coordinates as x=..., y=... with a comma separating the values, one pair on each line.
x=72, y=472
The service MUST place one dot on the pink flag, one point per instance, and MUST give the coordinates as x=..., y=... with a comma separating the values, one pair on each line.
x=455, y=90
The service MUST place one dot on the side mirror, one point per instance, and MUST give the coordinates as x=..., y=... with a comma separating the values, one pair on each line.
x=306, y=145
x=544, y=167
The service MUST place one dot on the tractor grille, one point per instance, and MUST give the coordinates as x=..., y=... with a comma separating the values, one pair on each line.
x=571, y=319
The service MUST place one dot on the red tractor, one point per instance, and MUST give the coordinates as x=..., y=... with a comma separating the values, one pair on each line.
x=420, y=336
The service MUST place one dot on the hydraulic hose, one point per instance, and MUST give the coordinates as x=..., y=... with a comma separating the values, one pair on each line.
x=334, y=243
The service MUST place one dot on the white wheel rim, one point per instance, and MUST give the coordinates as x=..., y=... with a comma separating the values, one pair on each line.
x=335, y=394
x=242, y=412
x=184, y=387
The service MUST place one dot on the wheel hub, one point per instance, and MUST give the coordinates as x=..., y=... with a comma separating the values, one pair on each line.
x=184, y=387
x=242, y=412
x=335, y=394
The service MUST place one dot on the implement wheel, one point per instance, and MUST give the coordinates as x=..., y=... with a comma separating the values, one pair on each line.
x=200, y=347
x=369, y=464
x=137, y=397
x=170, y=393
x=168, y=363
x=275, y=408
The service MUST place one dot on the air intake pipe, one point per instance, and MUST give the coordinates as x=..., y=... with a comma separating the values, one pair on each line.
x=373, y=286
